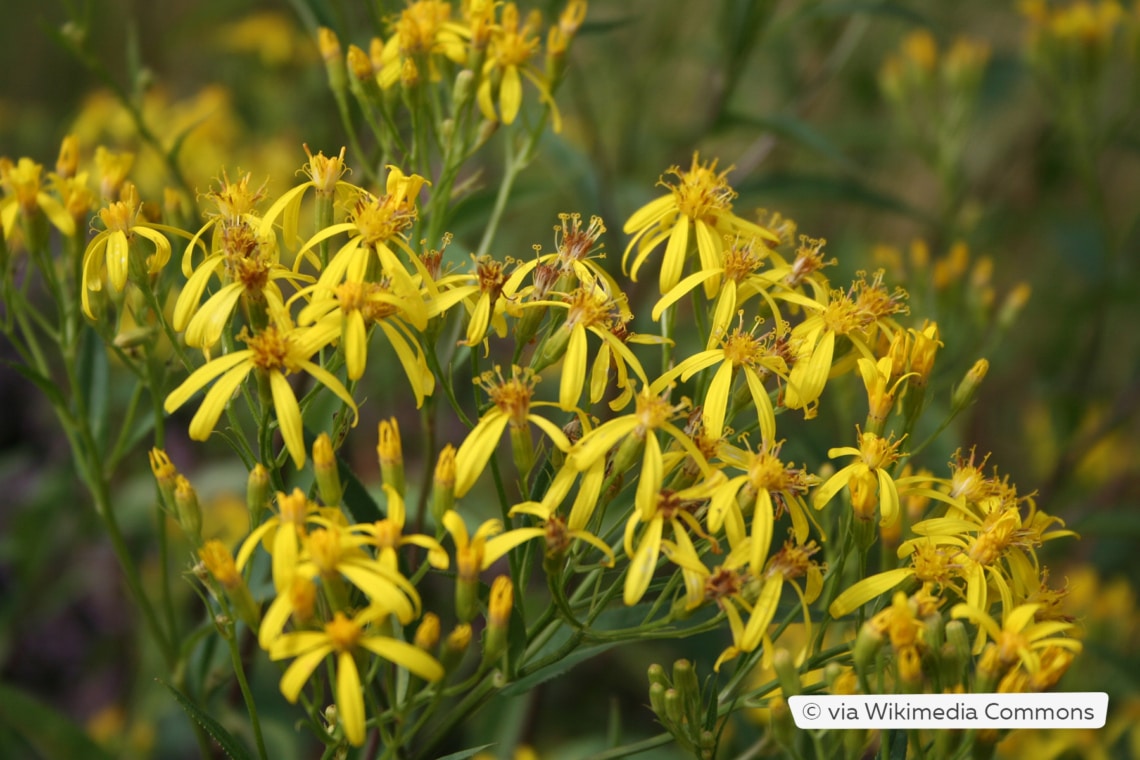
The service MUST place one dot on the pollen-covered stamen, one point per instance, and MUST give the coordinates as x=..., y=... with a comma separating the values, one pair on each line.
x=588, y=308
x=252, y=272
x=743, y=349
x=766, y=470
x=557, y=537
x=723, y=583
x=491, y=275
x=967, y=479
x=998, y=532
x=793, y=560
x=809, y=258
x=234, y=199
x=879, y=452
x=512, y=396
x=271, y=349
x=239, y=238
x=933, y=564
x=324, y=171
x=380, y=219
x=873, y=301
x=574, y=243
x=419, y=25
x=343, y=632
x=742, y=259
x=119, y=216
x=293, y=507
x=324, y=548
x=653, y=412
x=514, y=46
x=700, y=192
x=386, y=534
x=842, y=316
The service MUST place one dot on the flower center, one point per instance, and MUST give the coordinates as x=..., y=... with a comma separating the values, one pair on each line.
x=343, y=633
x=271, y=349
x=700, y=192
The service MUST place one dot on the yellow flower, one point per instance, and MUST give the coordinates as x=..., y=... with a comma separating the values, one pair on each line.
x=589, y=310
x=324, y=174
x=755, y=358
x=765, y=476
x=332, y=551
x=277, y=351
x=347, y=312
x=658, y=508
x=741, y=261
x=651, y=414
x=699, y=203
x=508, y=56
x=1018, y=638
x=388, y=535
x=375, y=225
x=856, y=313
x=875, y=455
x=248, y=264
x=555, y=532
x=344, y=637
x=282, y=534
x=112, y=247
x=23, y=196
x=423, y=30
x=512, y=406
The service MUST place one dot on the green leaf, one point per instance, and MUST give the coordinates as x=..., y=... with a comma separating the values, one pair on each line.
x=555, y=669
x=360, y=503
x=463, y=754
x=229, y=744
x=92, y=369
x=50, y=733
x=792, y=128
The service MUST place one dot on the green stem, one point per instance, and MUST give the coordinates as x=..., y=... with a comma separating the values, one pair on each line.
x=247, y=695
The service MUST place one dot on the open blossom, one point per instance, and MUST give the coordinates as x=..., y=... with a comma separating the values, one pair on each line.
x=699, y=205
x=276, y=352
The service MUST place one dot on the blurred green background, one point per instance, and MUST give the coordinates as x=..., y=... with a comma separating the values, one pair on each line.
x=975, y=160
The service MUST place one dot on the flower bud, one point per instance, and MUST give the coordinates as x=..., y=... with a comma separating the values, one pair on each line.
x=325, y=467
x=443, y=484
x=187, y=509
x=219, y=561
x=686, y=683
x=867, y=645
x=68, y=161
x=657, y=675
x=787, y=673
x=456, y=646
x=498, y=618
x=334, y=59
x=674, y=708
x=257, y=493
x=165, y=474
x=966, y=391
x=427, y=633
x=657, y=699
x=922, y=354
x=1013, y=304
x=359, y=63
x=910, y=667
x=390, y=452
